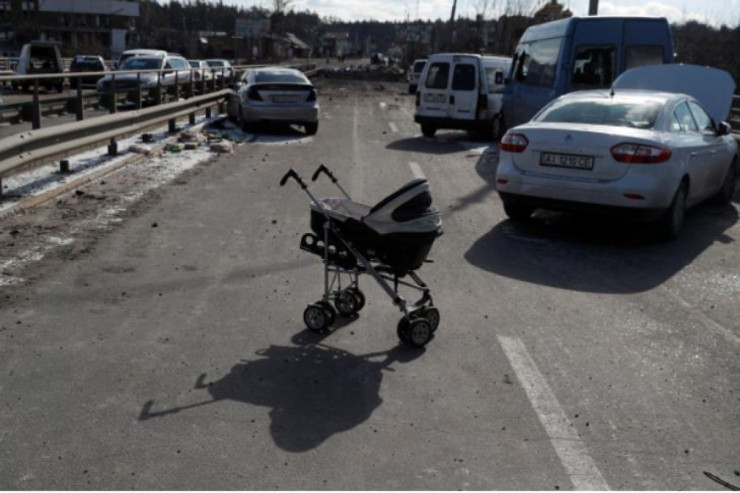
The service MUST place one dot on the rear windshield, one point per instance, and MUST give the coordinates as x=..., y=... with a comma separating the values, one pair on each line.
x=419, y=66
x=290, y=77
x=88, y=64
x=215, y=63
x=139, y=63
x=438, y=75
x=635, y=114
x=195, y=63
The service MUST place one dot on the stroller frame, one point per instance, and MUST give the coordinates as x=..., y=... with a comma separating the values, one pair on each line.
x=420, y=319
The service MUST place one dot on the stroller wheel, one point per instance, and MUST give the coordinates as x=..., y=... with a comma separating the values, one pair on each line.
x=330, y=311
x=360, y=297
x=420, y=332
x=347, y=303
x=432, y=316
x=316, y=317
x=402, y=329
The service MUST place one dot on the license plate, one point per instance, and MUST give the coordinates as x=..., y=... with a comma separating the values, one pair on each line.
x=566, y=160
x=434, y=98
x=285, y=99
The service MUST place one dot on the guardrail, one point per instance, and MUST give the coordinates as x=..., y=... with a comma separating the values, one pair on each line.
x=186, y=82
x=37, y=147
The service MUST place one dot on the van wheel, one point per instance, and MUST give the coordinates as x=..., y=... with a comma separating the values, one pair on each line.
x=518, y=212
x=670, y=224
x=428, y=130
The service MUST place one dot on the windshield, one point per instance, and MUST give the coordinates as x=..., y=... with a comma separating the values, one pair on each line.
x=635, y=114
x=215, y=63
x=282, y=76
x=86, y=64
x=419, y=66
x=140, y=63
x=194, y=63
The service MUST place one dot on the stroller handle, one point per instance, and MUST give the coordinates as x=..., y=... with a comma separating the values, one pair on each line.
x=325, y=170
x=294, y=175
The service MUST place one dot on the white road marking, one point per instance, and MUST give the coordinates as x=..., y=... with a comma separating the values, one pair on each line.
x=383, y=105
x=568, y=445
x=416, y=170
x=407, y=112
x=393, y=126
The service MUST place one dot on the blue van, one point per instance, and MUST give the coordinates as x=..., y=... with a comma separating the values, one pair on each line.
x=579, y=53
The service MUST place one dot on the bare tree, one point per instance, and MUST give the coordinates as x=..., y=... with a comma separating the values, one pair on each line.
x=280, y=6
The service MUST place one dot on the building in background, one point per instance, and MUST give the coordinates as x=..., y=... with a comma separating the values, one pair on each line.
x=95, y=27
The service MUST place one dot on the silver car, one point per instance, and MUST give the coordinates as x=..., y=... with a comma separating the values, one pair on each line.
x=155, y=71
x=275, y=94
x=650, y=154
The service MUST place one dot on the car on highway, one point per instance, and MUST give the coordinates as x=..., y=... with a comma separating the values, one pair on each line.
x=640, y=152
x=40, y=57
x=222, y=68
x=415, y=73
x=139, y=52
x=277, y=94
x=202, y=70
x=86, y=63
x=150, y=73
x=461, y=91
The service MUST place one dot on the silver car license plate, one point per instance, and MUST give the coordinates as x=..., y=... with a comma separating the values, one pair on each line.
x=566, y=160
x=284, y=99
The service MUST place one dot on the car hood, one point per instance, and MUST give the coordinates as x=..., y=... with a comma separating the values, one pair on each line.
x=712, y=87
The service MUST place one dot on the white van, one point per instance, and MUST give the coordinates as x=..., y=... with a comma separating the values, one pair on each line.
x=461, y=91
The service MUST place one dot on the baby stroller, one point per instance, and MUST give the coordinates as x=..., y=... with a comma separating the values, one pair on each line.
x=388, y=241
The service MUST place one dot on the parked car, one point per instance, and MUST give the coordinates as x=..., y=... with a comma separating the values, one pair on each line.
x=221, y=68
x=415, y=73
x=461, y=91
x=579, y=53
x=202, y=71
x=40, y=57
x=86, y=63
x=276, y=94
x=162, y=71
x=644, y=153
x=378, y=59
x=139, y=52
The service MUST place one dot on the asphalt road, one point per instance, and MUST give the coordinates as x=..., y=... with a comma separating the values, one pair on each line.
x=167, y=350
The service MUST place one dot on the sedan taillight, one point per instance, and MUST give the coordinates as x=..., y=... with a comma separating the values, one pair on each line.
x=514, y=142
x=628, y=152
x=253, y=94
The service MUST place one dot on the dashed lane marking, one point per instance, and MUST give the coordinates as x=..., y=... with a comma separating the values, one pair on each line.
x=571, y=450
x=416, y=170
x=393, y=126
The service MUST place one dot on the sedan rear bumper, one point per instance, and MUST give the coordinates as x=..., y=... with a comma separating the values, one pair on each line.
x=292, y=114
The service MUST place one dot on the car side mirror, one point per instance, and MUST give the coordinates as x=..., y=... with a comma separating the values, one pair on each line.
x=724, y=128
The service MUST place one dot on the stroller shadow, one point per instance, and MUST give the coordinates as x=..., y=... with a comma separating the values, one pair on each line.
x=314, y=390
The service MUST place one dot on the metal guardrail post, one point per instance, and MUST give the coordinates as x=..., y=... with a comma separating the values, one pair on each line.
x=177, y=85
x=79, y=103
x=191, y=118
x=138, y=91
x=208, y=112
x=223, y=78
x=190, y=83
x=64, y=166
x=113, y=147
x=36, y=109
x=213, y=80
x=158, y=95
x=113, y=99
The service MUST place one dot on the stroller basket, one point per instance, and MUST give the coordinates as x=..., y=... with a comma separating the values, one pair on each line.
x=388, y=241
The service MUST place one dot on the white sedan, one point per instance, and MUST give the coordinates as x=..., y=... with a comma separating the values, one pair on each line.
x=652, y=154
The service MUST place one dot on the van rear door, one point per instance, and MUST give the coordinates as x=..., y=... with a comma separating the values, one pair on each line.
x=464, y=92
x=434, y=88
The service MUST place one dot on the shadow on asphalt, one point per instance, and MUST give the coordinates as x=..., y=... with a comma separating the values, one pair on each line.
x=442, y=143
x=596, y=254
x=314, y=390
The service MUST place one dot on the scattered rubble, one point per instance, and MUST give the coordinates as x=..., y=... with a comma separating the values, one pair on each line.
x=141, y=149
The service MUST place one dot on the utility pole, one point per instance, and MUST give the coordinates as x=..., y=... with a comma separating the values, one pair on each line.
x=452, y=23
x=593, y=7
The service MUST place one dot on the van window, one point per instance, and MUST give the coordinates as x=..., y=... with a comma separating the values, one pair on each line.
x=594, y=66
x=438, y=75
x=537, y=62
x=703, y=120
x=463, y=77
x=639, y=55
x=419, y=66
x=685, y=119
x=494, y=78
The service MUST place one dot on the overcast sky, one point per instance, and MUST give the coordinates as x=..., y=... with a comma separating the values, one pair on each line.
x=711, y=11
